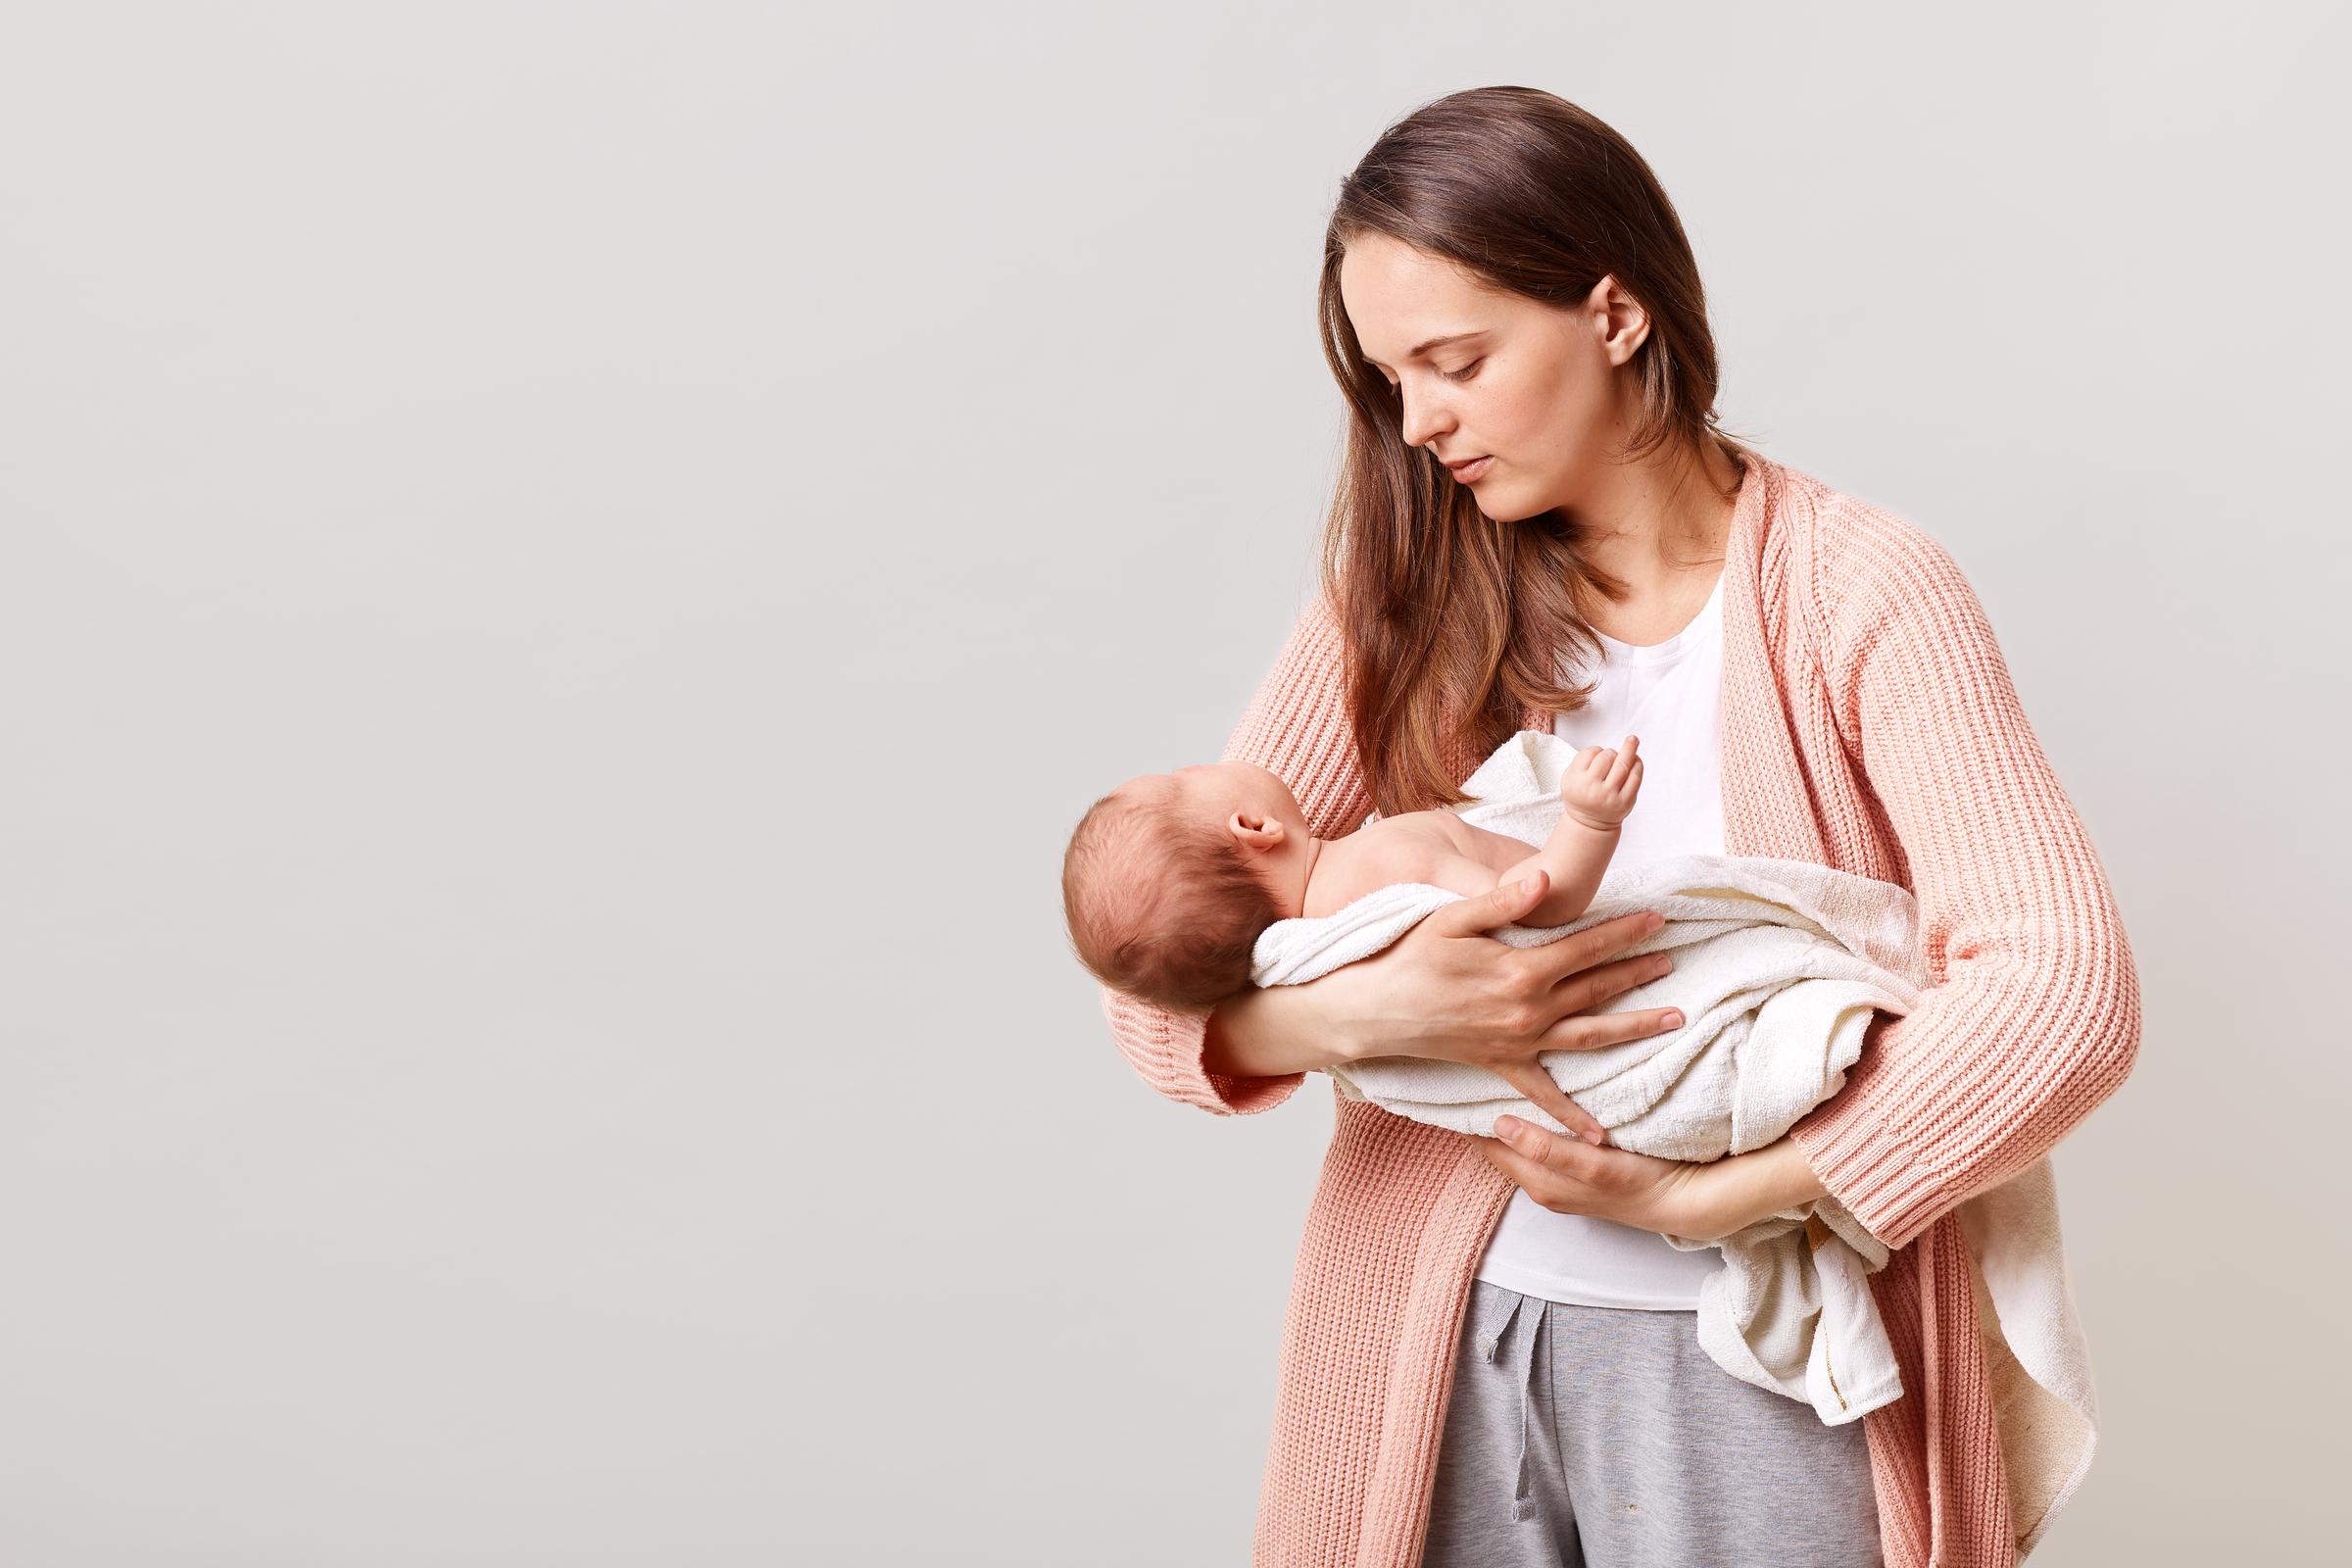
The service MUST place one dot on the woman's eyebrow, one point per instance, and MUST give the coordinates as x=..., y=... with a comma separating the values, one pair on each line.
x=1426, y=344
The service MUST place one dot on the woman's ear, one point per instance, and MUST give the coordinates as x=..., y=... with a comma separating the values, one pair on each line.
x=1255, y=831
x=1621, y=321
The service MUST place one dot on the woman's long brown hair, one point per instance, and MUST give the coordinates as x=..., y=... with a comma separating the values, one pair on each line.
x=1454, y=624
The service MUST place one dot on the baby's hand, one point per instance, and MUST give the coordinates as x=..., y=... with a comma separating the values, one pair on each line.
x=1599, y=784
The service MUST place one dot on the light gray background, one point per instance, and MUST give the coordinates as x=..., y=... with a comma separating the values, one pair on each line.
x=569, y=569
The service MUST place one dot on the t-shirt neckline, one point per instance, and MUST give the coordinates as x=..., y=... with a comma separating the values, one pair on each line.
x=1674, y=647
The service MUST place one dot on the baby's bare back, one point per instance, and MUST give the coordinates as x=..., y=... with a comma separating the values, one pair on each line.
x=1435, y=847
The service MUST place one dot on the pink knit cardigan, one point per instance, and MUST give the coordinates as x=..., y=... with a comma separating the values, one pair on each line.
x=1869, y=724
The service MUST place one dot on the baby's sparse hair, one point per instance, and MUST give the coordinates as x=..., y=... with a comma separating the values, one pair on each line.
x=1161, y=906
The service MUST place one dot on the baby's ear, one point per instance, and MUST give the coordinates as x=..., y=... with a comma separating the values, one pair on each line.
x=1250, y=826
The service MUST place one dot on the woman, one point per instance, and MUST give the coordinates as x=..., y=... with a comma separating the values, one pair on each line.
x=1488, y=1354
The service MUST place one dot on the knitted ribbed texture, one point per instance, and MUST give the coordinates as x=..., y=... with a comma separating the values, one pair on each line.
x=1869, y=725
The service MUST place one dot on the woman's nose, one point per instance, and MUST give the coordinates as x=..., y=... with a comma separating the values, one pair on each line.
x=1418, y=426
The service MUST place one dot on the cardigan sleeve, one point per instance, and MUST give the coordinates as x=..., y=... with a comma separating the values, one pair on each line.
x=1297, y=727
x=2031, y=1014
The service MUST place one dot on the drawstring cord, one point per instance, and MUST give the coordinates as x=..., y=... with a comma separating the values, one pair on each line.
x=1500, y=1315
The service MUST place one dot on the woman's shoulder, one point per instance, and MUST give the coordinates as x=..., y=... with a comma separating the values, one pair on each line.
x=1856, y=562
x=1313, y=653
x=1317, y=629
x=1849, y=538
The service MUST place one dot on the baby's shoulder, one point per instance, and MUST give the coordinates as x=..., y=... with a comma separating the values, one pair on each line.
x=1414, y=837
x=1431, y=846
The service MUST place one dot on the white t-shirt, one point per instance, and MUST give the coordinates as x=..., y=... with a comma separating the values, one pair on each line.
x=1670, y=694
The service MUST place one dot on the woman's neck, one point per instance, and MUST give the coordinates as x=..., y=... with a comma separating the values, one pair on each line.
x=1659, y=527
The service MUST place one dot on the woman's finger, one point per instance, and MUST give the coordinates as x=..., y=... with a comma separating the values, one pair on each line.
x=1530, y=1175
x=1539, y=1145
x=1594, y=1031
x=1588, y=989
x=1560, y=961
x=1555, y=1171
x=1505, y=905
x=1539, y=1087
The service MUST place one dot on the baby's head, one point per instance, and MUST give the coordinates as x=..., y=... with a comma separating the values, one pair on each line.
x=1170, y=878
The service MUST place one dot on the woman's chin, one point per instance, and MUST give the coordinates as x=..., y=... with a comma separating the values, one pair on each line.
x=1499, y=503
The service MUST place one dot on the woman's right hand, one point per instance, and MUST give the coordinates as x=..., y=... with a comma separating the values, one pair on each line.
x=1448, y=990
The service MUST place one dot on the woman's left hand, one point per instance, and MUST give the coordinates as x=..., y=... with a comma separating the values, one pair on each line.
x=1699, y=1202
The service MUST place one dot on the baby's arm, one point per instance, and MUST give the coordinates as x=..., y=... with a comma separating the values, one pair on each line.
x=1598, y=790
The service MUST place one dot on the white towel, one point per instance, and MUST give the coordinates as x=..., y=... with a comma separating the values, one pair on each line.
x=1779, y=967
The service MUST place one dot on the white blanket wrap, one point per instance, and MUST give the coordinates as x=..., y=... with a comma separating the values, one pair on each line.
x=1779, y=967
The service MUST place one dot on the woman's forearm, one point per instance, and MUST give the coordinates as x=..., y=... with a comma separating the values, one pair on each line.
x=1267, y=1031
x=2035, y=1016
x=1765, y=1180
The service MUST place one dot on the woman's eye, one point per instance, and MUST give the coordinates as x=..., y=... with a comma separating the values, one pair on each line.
x=1466, y=372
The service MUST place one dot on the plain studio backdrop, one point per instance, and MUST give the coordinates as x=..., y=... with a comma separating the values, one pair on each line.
x=571, y=569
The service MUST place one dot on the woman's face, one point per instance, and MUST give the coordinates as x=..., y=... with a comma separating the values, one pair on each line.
x=1531, y=387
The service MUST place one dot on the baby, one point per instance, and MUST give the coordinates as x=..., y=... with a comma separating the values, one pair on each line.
x=1170, y=878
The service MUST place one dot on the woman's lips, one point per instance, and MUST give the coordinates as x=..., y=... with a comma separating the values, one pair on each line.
x=1472, y=472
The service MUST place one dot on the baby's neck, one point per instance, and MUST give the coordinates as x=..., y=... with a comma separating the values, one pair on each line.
x=1341, y=871
x=1304, y=893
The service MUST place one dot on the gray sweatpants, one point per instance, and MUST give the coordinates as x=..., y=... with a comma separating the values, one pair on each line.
x=1592, y=1435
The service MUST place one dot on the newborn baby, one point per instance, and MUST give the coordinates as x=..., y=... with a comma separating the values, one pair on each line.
x=1170, y=878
